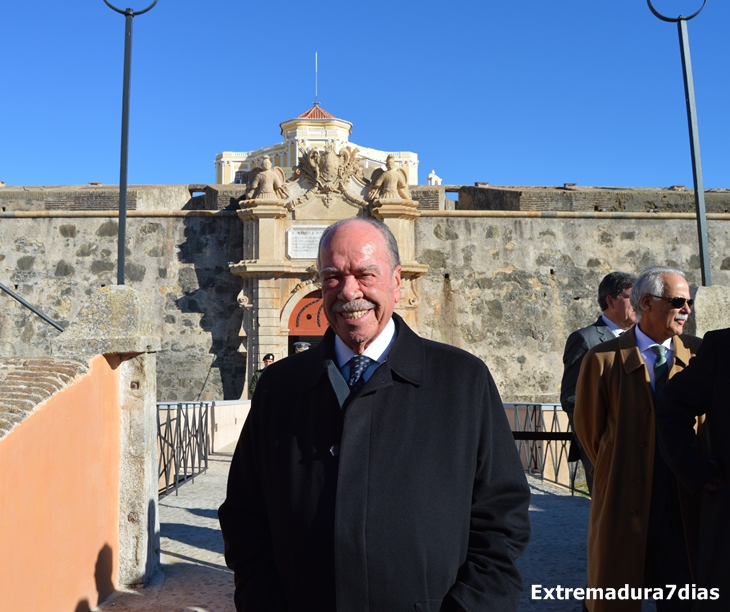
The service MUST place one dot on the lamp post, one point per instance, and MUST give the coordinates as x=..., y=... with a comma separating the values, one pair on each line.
x=122, y=236
x=694, y=135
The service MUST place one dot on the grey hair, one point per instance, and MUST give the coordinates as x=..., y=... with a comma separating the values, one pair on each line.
x=650, y=282
x=613, y=285
x=390, y=242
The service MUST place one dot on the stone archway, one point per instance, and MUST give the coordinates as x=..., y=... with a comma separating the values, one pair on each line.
x=307, y=322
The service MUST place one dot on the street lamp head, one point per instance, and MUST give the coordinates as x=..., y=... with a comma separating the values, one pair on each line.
x=664, y=17
x=129, y=11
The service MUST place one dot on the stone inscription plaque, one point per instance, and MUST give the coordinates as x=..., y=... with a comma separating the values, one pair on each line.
x=302, y=241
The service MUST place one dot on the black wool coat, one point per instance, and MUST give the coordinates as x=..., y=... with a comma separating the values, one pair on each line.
x=703, y=388
x=408, y=497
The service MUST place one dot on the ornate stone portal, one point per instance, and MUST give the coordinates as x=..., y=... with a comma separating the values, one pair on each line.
x=282, y=224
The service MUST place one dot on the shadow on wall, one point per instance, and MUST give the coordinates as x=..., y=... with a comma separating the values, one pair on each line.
x=153, y=547
x=104, y=567
x=209, y=288
x=102, y=576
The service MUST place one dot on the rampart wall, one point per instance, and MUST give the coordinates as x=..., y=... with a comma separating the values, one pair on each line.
x=509, y=289
x=178, y=260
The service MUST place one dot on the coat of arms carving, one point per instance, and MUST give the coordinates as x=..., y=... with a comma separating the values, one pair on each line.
x=329, y=171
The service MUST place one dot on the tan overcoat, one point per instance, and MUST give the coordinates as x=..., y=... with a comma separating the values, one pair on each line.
x=614, y=420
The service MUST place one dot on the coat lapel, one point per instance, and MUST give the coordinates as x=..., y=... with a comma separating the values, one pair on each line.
x=682, y=355
x=630, y=354
x=604, y=331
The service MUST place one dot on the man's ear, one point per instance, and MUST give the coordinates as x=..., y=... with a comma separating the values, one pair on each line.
x=396, y=283
x=646, y=302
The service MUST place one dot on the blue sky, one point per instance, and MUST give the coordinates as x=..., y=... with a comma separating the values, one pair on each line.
x=520, y=92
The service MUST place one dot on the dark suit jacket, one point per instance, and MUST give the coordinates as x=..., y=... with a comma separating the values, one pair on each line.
x=577, y=345
x=410, y=498
x=703, y=388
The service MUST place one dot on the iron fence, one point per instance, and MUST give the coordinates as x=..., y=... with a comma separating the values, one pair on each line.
x=542, y=434
x=183, y=442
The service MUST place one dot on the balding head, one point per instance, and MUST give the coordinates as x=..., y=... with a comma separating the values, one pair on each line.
x=359, y=268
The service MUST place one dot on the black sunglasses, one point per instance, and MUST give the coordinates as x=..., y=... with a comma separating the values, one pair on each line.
x=677, y=302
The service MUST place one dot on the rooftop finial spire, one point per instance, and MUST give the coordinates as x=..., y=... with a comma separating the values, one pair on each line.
x=316, y=80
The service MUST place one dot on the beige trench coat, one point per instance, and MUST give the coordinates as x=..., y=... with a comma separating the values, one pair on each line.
x=614, y=420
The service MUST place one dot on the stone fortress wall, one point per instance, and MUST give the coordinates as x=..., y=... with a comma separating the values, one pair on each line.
x=512, y=271
x=178, y=260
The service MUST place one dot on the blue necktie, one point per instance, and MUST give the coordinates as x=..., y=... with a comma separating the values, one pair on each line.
x=358, y=364
x=661, y=368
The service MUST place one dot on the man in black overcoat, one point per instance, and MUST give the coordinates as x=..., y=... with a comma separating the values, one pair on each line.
x=618, y=316
x=376, y=471
x=703, y=388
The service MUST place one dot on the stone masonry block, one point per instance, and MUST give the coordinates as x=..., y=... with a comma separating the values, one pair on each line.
x=116, y=319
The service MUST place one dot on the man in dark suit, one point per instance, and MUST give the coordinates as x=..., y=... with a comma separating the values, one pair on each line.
x=703, y=388
x=618, y=316
x=369, y=475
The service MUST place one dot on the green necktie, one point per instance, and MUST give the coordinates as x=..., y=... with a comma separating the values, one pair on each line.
x=661, y=368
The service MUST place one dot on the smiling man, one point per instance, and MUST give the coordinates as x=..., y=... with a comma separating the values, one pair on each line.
x=638, y=523
x=377, y=470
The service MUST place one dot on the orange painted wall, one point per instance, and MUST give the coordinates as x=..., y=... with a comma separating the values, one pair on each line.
x=59, y=498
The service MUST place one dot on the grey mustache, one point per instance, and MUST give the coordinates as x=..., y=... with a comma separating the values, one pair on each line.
x=353, y=306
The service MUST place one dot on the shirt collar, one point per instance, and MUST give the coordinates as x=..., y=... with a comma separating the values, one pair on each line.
x=617, y=331
x=645, y=343
x=377, y=351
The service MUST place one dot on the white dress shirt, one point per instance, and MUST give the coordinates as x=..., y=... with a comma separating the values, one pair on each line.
x=377, y=351
x=647, y=353
x=617, y=331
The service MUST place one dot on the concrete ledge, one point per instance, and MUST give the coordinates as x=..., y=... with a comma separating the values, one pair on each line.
x=116, y=319
x=226, y=422
x=711, y=310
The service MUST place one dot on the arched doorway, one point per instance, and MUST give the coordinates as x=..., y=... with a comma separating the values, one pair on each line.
x=307, y=322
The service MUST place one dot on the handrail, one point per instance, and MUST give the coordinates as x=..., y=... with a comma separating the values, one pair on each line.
x=183, y=441
x=542, y=443
x=46, y=318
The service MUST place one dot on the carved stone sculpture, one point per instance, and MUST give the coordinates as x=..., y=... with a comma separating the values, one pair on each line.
x=267, y=183
x=389, y=184
x=328, y=170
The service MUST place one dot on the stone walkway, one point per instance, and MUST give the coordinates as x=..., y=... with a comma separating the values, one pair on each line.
x=194, y=578
x=557, y=551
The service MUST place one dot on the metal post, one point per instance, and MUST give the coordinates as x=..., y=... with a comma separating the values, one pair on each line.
x=694, y=143
x=694, y=137
x=122, y=234
x=124, y=156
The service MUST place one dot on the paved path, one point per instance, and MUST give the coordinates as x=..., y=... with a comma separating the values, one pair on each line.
x=193, y=576
x=557, y=551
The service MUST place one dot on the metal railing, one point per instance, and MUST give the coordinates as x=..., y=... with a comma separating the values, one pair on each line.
x=183, y=442
x=46, y=318
x=542, y=434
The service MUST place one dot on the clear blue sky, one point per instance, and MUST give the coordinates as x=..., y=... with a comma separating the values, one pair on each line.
x=520, y=92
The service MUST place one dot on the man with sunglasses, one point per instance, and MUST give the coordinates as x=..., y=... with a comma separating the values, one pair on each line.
x=638, y=524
